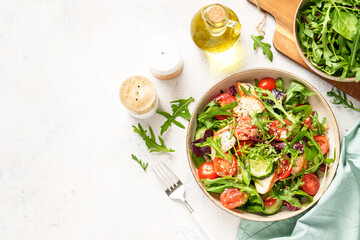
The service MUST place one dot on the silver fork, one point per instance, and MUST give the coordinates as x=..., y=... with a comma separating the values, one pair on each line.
x=175, y=189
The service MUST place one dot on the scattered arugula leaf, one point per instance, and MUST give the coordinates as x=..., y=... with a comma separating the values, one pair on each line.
x=265, y=46
x=150, y=142
x=142, y=164
x=180, y=108
x=341, y=98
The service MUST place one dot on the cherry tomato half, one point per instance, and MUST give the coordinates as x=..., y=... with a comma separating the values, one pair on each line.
x=279, y=130
x=206, y=171
x=311, y=185
x=241, y=145
x=244, y=127
x=267, y=84
x=323, y=142
x=307, y=122
x=284, y=169
x=223, y=99
x=232, y=198
x=268, y=201
x=224, y=167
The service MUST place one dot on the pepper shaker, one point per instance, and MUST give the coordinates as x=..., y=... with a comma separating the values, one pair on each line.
x=139, y=97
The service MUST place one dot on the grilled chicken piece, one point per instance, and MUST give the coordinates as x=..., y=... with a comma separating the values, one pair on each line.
x=247, y=105
x=227, y=141
x=263, y=186
x=299, y=164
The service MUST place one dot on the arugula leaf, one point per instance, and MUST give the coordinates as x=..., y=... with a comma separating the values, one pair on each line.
x=306, y=109
x=261, y=121
x=341, y=98
x=318, y=127
x=310, y=152
x=297, y=94
x=142, y=164
x=265, y=46
x=244, y=171
x=354, y=48
x=198, y=161
x=215, y=144
x=277, y=105
x=279, y=84
x=180, y=108
x=287, y=193
x=344, y=22
x=214, y=109
x=150, y=142
x=218, y=185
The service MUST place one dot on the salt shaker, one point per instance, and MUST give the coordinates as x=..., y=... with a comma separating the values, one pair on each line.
x=164, y=57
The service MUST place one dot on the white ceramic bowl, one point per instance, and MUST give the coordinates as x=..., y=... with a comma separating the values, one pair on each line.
x=304, y=58
x=317, y=102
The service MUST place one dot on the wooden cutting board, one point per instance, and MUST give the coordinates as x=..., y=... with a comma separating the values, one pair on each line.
x=284, y=40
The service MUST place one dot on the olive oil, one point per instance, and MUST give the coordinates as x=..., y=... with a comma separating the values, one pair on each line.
x=215, y=28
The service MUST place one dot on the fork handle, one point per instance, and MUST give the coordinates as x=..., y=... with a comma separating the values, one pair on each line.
x=203, y=226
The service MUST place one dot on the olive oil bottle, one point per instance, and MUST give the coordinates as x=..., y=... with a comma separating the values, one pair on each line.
x=215, y=28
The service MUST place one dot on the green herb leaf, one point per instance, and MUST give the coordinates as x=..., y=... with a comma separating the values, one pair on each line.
x=344, y=23
x=354, y=48
x=142, y=164
x=339, y=97
x=198, y=161
x=218, y=185
x=266, y=94
x=150, y=141
x=281, y=192
x=180, y=108
x=297, y=94
x=215, y=144
x=279, y=84
x=265, y=46
x=214, y=109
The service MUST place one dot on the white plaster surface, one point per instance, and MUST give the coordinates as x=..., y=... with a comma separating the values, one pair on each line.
x=65, y=138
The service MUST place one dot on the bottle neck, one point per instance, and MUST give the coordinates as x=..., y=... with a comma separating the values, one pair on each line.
x=216, y=18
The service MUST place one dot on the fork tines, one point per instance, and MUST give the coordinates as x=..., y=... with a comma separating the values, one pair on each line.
x=168, y=180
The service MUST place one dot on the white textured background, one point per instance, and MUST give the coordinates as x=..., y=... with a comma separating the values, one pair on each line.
x=65, y=138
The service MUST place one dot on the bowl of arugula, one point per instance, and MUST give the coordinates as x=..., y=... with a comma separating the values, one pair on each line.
x=267, y=181
x=328, y=38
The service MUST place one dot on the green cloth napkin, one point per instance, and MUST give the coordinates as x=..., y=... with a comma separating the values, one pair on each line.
x=335, y=216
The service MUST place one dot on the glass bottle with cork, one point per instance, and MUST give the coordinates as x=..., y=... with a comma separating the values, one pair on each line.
x=215, y=28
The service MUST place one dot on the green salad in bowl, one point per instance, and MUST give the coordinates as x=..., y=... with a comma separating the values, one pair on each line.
x=328, y=36
x=261, y=146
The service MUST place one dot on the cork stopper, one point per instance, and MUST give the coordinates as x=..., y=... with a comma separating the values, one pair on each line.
x=138, y=95
x=216, y=14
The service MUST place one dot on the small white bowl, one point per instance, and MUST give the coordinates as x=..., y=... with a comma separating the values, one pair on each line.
x=317, y=102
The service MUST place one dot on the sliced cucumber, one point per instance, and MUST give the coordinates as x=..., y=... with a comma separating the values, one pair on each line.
x=260, y=168
x=200, y=132
x=273, y=208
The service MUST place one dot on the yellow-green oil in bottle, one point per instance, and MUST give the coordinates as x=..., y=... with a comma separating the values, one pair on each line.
x=215, y=28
